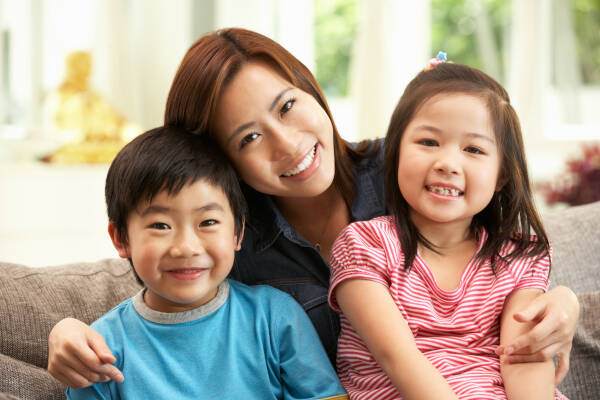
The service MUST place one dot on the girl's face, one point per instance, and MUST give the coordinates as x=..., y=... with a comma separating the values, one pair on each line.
x=278, y=137
x=449, y=160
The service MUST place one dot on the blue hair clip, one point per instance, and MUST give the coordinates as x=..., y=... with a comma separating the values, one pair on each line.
x=440, y=58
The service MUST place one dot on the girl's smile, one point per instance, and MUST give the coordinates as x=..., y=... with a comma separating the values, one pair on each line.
x=449, y=162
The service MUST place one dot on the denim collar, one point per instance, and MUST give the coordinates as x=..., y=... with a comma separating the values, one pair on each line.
x=267, y=222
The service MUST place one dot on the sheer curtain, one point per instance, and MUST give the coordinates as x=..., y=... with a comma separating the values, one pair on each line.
x=392, y=45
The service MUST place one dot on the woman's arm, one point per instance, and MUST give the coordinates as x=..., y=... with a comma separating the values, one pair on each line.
x=78, y=355
x=552, y=318
x=376, y=318
x=532, y=380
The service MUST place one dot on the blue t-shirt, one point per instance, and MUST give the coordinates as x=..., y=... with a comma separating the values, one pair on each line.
x=246, y=343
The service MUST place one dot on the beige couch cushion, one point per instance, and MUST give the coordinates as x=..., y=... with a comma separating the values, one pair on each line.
x=33, y=300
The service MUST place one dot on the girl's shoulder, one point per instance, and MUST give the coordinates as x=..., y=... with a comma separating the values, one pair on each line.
x=379, y=232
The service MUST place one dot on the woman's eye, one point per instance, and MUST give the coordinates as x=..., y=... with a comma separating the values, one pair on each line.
x=159, y=225
x=209, y=222
x=474, y=150
x=428, y=142
x=248, y=138
x=287, y=106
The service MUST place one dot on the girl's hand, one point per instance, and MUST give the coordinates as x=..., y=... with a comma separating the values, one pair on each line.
x=78, y=355
x=555, y=314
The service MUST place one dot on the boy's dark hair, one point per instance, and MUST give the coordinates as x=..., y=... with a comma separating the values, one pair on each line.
x=167, y=158
x=511, y=210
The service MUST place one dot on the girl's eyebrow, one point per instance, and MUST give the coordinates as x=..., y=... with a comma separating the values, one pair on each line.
x=247, y=125
x=437, y=131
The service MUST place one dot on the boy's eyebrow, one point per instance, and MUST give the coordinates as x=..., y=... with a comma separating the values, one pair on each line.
x=437, y=131
x=242, y=127
x=158, y=209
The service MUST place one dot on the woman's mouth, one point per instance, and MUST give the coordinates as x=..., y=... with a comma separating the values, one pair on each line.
x=303, y=165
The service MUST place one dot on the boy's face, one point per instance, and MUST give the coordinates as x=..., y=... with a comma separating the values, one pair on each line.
x=181, y=246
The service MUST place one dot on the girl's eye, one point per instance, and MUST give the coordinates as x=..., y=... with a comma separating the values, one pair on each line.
x=428, y=142
x=287, y=106
x=473, y=150
x=159, y=226
x=209, y=222
x=248, y=138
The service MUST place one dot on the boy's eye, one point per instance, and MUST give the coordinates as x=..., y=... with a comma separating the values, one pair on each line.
x=287, y=106
x=248, y=138
x=428, y=142
x=209, y=222
x=159, y=225
x=474, y=150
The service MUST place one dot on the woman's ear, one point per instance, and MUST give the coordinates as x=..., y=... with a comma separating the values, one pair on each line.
x=121, y=247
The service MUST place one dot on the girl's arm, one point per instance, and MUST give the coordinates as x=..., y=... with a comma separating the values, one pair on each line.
x=532, y=380
x=552, y=319
x=376, y=318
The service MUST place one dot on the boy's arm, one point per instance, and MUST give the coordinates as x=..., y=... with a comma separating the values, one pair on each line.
x=372, y=312
x=533, y=380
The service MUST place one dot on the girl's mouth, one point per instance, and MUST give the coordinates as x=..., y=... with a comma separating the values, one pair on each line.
x=444, y=191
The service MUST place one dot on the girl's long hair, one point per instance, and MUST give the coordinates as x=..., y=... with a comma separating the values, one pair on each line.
x=511, y=214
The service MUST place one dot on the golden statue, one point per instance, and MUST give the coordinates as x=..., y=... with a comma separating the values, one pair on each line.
x=91, y=130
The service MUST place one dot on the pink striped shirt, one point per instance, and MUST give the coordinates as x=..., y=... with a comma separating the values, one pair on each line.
x=456, y=330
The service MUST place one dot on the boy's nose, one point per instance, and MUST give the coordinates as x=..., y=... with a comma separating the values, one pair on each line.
x=185, y=246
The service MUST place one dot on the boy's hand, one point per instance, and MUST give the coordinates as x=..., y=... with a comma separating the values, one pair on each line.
x=555, y=314
x=78, y=355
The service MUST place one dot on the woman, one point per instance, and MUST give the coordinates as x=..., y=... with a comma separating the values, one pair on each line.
x=303, y=184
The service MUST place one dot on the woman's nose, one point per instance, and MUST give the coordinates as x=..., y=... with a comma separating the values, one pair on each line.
x=284, y=142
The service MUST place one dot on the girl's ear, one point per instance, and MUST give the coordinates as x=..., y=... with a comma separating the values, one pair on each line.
x=121, y=247
x=502, y=180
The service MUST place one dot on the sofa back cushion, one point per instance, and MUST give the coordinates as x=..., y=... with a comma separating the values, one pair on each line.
x=33, y=300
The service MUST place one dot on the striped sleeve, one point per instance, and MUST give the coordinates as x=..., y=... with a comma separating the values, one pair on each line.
x=532, y=272
x=360, y=252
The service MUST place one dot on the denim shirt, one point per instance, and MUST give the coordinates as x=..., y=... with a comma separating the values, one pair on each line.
x=274, y=253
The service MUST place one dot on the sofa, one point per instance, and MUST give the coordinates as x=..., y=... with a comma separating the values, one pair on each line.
x=32, y=300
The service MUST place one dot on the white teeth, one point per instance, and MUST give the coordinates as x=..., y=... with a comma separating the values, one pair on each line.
x=304, y=164
x=444, y=191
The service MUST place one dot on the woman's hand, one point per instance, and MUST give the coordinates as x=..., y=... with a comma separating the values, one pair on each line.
x=555, y=314
x=78, y=355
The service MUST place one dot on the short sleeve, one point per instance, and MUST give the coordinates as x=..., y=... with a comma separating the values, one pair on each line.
x=364, y=250
x=533, y=272
x=99, y=391
x=305, y=368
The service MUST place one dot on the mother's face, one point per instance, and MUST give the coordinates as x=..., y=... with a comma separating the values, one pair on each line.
x=278, y=137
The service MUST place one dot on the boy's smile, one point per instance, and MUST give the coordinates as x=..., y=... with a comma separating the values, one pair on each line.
x=182, y=246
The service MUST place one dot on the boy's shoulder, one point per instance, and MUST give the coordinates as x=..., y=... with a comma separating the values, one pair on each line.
x=117, y=313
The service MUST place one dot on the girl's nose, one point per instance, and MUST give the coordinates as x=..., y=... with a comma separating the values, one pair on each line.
x=447, y=163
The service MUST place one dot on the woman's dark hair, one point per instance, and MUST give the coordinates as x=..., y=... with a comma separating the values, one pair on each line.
x=167, y=158
x=213, y=61
x=511, y=214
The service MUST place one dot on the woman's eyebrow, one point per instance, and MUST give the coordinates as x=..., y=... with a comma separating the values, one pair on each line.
x=247, y=125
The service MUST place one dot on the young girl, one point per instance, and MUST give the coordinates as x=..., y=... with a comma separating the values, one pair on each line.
x=427, y=295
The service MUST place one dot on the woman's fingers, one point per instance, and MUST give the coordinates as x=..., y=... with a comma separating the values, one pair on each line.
x=564, y=361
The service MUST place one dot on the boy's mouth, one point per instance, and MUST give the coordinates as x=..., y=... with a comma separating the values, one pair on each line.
x=188, y=273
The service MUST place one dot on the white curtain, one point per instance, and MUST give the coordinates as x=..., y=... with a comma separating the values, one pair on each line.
x=392, y=46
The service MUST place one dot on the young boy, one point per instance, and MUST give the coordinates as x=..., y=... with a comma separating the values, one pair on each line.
x=177, y=213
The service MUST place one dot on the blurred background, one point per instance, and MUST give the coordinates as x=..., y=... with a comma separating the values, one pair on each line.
x=79, y=78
